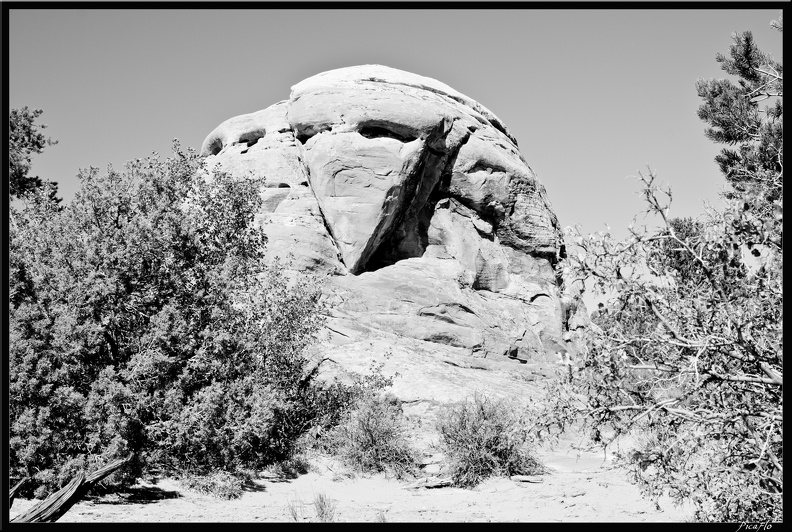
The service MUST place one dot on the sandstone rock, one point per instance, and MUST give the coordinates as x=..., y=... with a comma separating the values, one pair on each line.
x=418, y=201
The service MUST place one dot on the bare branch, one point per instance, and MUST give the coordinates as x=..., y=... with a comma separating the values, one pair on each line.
x=756, y=438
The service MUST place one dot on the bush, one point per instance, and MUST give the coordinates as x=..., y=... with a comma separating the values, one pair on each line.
x=486, y=437
x=690, y=353
x=220, y=484
x=292, y=467
x=689, y=348
x=373, y=438
x=143, y=318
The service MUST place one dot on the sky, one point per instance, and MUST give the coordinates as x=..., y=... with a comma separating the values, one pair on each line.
x=592, y=96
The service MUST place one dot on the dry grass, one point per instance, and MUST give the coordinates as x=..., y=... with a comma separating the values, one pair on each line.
x=325, y=508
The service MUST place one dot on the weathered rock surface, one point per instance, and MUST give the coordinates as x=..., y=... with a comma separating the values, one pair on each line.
x=418, y=202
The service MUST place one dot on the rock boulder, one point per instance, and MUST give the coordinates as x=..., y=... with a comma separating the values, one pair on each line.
x=417, y=202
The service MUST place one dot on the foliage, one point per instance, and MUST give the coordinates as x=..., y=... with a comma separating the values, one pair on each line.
x=332, y=402
x=755, y=169
x=143, y=318
x=373, y=437
x=291, y=468
x=219, y=484
x=324, y=508
x=484, y=437
x=688, y=352
x=24, y=139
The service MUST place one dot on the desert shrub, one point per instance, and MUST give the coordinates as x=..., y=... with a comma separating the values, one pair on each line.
x=688, y=352
x=292, y=467
x=143, y=319
x=332, y=402
x=373, y=437
x=220, y=484
x=485, y=437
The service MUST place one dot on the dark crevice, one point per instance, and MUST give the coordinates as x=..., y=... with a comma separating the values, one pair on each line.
x=302, y=135
x=383, y=254
x=462, y=307
x=489, y=214
x=216, y=146
x=330, y=234
x=481, y=166
x=409, y=240
x=500, y=127
x=537, y=296
x=443, y=338
x=252, y=137
x=486, y=236
x=373, y=129
x=441, y=190
x=486, y=117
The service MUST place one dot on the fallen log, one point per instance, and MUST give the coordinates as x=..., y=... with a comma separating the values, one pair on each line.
x=15, y=490
x=53, y=507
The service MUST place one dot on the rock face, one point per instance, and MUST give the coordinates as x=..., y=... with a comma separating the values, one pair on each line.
x=418, y=202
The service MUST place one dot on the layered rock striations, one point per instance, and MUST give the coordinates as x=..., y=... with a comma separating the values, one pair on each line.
x=418, y=201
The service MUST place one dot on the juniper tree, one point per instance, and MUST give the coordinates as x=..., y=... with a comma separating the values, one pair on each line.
x=143, y=319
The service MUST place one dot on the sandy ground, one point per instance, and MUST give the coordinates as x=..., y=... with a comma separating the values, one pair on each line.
x=582, y=486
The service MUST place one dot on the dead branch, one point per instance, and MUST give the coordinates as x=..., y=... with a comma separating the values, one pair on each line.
x=15, y=490
x=53, y=507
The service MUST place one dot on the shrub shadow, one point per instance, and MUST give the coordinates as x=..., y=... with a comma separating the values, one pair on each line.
x=135, y=495
x=249, y=485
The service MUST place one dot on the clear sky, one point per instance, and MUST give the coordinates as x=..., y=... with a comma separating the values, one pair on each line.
x=592, y=96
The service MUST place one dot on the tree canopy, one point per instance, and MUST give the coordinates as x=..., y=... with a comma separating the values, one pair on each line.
x=687, y=356
x=143, y=319
x=25, y=138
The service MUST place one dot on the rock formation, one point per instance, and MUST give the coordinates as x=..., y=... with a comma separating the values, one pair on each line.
x=417, y=201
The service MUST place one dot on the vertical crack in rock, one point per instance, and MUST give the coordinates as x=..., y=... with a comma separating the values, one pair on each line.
x=306, y=168
x=416, y=169
x=407, y=238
